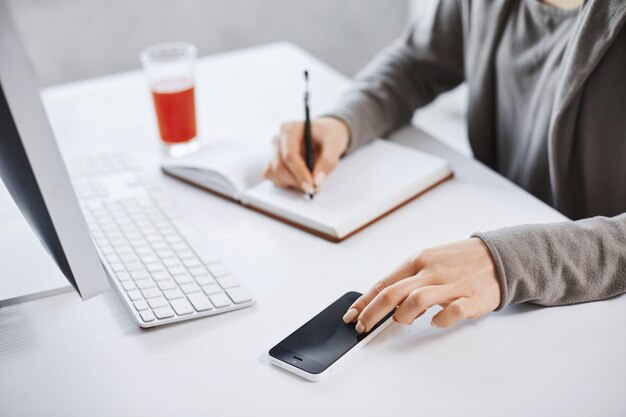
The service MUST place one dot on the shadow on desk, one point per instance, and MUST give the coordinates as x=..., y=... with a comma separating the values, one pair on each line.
x=421, y=333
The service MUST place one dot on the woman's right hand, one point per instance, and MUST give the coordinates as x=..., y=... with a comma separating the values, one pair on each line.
x=288, y=168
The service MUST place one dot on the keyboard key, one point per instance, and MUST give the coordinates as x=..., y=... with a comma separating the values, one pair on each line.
x=123, y=249
x=160, y=246
x=167, y=231
x=129, y=285
x=117, y=267
x=239, y=295
x=190, y=288
x=177, y=270
x=165, y=254
x=107, y=249
x=134, y=266
x=151, y=234
x=145, y=225
x=140, y=305
x=138, y=243
x=112, y=258
x=143, y=250
x=171, y=262
x=217, y=270
x=220, y=300
x=173, y=239
x=164, y=312
x=151, y=258
x=134, y=295
x=200, y=301
x=126, y=226
x=198, y=271
x=151, y=293
x=147, y=316
x=160, y=275
x=143, y=284
x=160, y=223
x=179, y=246
x=228, y=281
x=211, y=288
x=114, y=236
x=154, y=267
x=183, y=279
x=181, y=306
x=132, y=235
x=139, y=275
x=186, y=254
x=167, y=284
x=117, y=242
x=123, y=276
x=208, y=280
x=157, y=302
x=193, y=262
x=173, y=294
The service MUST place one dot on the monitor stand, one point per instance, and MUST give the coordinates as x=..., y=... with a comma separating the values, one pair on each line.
x=27, y=271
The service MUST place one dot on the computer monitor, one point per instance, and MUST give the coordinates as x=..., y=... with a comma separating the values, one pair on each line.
x=34, y=173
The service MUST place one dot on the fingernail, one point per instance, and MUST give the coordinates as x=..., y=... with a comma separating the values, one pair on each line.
x=433, y=324
x=319, y=178
x=350, y=315
x=307, y=188
x=359, y=327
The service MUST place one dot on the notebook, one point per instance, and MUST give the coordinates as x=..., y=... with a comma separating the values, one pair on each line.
x=367, y=184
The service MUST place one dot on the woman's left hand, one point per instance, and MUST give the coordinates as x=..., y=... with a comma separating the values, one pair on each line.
x=460, y=277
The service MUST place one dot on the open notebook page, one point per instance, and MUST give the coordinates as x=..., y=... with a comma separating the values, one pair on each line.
x=227, y=167
x=366, y=184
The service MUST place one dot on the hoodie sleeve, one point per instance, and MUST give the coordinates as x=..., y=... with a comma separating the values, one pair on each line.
x=561, y=263
x=426, y=61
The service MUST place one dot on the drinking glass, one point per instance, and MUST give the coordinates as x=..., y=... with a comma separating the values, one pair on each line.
x=169, y=68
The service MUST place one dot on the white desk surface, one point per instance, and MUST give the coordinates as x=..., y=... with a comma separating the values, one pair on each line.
x=63, y=357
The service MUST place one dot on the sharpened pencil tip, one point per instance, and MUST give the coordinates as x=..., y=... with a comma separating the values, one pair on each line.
x=306, y=75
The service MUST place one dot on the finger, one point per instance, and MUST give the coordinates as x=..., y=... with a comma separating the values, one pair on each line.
x=276, y=172
x=421, y=299
x=279, y=179
x=405, y=270
x=271, y=173
x=324, y=165
x=387, y=300
x=291, y=157
x=283, y=175
x=459, y=309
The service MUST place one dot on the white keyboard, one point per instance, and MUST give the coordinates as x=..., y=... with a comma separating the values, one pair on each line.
x=158, y=263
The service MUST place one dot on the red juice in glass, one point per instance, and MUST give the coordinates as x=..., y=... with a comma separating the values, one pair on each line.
x=170, y=74
x=175, y=107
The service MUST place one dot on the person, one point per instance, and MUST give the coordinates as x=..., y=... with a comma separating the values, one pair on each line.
x=547, y=109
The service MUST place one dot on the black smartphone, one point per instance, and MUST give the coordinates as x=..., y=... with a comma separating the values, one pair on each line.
x=324, y=342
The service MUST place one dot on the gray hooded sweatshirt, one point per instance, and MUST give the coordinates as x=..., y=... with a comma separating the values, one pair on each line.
x=561, y=95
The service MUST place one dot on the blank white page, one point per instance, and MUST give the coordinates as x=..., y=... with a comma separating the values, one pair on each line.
x=366, y=184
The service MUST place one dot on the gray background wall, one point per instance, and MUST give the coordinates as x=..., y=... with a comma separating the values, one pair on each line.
x=75, y=39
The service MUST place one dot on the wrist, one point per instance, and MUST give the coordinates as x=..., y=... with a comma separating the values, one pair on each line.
x=341, y=131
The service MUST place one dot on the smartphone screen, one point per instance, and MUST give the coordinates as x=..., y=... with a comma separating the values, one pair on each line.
x=322, y=340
